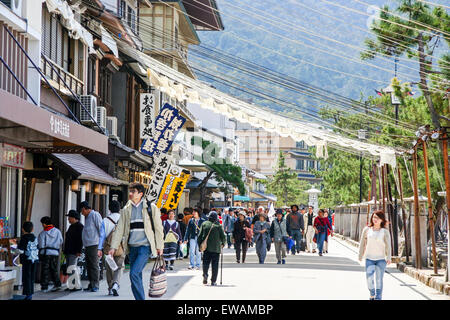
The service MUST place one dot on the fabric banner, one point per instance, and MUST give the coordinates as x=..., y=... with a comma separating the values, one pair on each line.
x=167, y=124
x=162, y=163
x=147, y=115
x=173, y=187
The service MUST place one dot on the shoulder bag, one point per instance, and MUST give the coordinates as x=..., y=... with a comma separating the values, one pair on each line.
x=204, y=243
x=120, y=251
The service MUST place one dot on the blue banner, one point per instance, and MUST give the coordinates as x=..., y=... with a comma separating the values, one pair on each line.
x=167, y=124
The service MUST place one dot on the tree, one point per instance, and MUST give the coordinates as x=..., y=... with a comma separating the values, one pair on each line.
x=222, y=170
x=286, y=186
x=415, y=29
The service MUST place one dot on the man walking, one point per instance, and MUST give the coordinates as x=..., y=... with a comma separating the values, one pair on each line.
x=49, y=243
x=227, y=223
x=215, y=243
x=74, y=242
x=308, y=220
x=278, y=233
x=295, y=228
x=108, y=226
x=91, y=237
x=143, y=235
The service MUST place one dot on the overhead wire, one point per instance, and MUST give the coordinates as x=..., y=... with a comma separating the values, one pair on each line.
x=384, y=37
x=352, y=102
x=424, y=25
x=280, y=22
x=434, y=4
x=291, y=57
x=406, y=76
x=366, y=14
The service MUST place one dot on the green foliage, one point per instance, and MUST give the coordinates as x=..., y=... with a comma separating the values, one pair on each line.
x=286, y=186
x=224, y=172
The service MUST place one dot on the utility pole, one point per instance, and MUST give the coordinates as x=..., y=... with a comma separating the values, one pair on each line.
x=405, y=227
x=447, y=191
x=430, y=206
x=416, y=213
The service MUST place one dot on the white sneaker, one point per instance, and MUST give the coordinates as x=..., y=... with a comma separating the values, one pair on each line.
x=114, y=289
x=197, y=268
x=190, y=268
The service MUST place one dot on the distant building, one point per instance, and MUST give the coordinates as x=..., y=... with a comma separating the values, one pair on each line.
x=259, y=150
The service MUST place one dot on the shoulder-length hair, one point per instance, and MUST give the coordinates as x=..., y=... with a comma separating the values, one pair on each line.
x=380, y=214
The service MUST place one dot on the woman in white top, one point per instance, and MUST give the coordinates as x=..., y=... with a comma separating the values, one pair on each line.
x=375, y=247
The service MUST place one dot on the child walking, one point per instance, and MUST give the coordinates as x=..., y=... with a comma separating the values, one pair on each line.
x=28, y=248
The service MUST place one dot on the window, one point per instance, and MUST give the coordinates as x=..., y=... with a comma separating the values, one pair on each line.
x=105, y=86
x=122, y=9
x=310, y=164
x=131, y=18
x=300, y=165
x=300, y=144
x=91, y=81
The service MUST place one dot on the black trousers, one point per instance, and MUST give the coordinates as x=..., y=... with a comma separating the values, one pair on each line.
x=238, y=245
x=28, y=275
x=213, y=259
x=49, y=271
x=91, y=254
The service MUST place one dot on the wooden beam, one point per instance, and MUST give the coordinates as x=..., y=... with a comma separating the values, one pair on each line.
x=30, y=199
x=416, y=212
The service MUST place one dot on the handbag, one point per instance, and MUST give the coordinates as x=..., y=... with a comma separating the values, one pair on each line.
x=204, y=243
x=119, y=251
x=158, y=279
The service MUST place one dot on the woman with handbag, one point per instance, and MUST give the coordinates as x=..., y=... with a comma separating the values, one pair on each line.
x=172, y=237
x=262, y=237
x=278, y=233
x=191, y=235
x=211, y=240
x=321, y=227
x=240, y=241
x=375, y=247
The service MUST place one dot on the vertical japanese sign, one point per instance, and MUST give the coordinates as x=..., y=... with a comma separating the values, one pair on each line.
x=173, y=188
x=161, y=165
x=167, y=124
x=147, y=115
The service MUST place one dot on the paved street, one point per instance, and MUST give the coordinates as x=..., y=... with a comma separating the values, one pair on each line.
x=337, y=275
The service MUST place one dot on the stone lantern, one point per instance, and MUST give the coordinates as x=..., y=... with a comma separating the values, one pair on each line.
x=313, y=199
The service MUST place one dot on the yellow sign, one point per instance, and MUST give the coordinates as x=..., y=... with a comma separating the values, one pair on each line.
x=173, y=188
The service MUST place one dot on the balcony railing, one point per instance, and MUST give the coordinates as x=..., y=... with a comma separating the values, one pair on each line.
x=73, y=82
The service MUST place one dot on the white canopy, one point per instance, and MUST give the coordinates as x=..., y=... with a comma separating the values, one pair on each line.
x=182, y=87
x=76, y=30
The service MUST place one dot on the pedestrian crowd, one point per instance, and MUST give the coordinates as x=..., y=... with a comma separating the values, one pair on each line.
x=140, y=230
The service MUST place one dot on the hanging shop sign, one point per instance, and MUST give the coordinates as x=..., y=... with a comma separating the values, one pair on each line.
x=173, y=187
x=147, y=115
x=161, y=167
x=167, y=124
x=12, y=156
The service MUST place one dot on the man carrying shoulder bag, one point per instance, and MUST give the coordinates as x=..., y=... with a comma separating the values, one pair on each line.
x=142, y=235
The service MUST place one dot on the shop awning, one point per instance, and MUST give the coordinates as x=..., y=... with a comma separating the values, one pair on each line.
x=182, y=87
x=193, y=165
x=83, y=168
x=265, y=196
x=241, y=198
x=195, y=184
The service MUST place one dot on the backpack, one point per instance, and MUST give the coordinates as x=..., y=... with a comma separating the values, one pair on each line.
x=107, y=246
x=32, y=252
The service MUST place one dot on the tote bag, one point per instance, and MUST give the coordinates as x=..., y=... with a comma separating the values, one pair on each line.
x=158, y=279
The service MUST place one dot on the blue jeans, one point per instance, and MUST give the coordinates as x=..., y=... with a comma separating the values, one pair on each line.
x=138, y=259
x=321, y=236
x=297, y=236
x=375, y=268
x=229, y=238
x=195, y=258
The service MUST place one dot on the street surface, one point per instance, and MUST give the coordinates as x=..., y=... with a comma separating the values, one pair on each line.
x=334, y=276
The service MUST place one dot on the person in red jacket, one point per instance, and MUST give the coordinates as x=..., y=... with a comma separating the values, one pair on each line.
x=321, y=227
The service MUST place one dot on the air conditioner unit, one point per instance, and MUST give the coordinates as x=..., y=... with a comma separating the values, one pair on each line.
x=111, y=126
x=15, y=5
x=90, y=103
x=101, y=117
